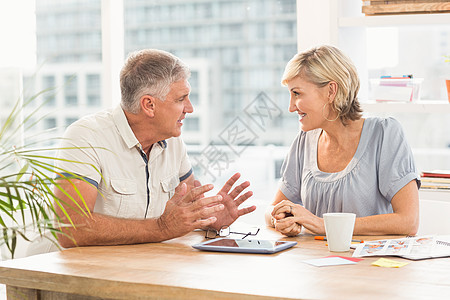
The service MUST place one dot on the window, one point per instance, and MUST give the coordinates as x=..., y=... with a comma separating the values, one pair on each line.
x=93, y=88
x=234, y=48
x=48, y=83
x=230, y=55
x=258, y=31
x=285, y=29
x=286, y=6
x=70, y=90
x=191, y=124
x=70, y=121
x=231, y=32
x=259, y=55
x=49, y=123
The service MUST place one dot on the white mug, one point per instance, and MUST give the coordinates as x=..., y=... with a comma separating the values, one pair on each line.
x=339, y=229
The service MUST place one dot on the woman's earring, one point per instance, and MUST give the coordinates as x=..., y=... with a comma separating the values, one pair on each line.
x=323, y=109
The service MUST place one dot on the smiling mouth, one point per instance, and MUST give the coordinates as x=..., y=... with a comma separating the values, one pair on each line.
x=301, y=115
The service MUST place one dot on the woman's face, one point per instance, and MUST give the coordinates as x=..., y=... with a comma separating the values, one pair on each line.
x=308, y=101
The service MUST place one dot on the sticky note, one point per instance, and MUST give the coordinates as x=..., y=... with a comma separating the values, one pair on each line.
x=389, y=263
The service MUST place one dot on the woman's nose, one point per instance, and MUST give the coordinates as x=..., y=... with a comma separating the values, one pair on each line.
x=292, y=105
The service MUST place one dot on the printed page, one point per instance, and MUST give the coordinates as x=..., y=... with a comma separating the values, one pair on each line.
x=421, y=247
x=394, y=247
x=430, y=247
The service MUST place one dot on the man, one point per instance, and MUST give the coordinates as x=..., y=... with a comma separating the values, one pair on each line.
x=137, y=184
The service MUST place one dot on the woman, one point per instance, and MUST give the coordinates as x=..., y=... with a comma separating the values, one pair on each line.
x=341, y=162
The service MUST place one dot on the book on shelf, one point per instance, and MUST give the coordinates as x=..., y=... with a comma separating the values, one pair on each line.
x=433, y=183
x=414, y=248
x=439, y=179
x=436, y=174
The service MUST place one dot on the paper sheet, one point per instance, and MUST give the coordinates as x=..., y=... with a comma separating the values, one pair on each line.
x=329, y=261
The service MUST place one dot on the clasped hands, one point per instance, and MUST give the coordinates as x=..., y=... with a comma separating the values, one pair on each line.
x=289, y=218
x=187, y=211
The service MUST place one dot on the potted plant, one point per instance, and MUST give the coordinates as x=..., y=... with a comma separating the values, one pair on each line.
x=27, y=179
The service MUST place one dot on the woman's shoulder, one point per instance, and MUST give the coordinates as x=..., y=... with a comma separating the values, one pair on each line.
x=384, y=125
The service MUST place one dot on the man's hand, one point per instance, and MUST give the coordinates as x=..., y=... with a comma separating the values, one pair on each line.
x=187, y=211
x=231, y=201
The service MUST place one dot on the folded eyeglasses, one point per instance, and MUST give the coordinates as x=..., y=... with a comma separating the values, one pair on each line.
x=226, y=231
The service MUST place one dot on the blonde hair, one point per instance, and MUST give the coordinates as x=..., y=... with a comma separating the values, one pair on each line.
x=151, y=72
x=320, y=65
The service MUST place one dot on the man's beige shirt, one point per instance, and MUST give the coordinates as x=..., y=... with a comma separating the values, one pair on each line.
x=108, y=155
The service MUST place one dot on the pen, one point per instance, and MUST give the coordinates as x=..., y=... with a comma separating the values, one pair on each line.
x=323, y=238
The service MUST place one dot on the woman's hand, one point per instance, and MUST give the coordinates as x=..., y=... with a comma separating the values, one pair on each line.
x=290, y=217
x=284, y=221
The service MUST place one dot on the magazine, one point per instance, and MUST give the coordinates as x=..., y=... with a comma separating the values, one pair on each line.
x=415, y=248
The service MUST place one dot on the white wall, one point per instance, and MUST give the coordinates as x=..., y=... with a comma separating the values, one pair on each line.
x=434, y=212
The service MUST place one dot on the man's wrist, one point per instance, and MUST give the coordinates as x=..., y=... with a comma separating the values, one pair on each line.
x=163, y=228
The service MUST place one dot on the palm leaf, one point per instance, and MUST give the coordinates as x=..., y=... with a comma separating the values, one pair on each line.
x=31, y=187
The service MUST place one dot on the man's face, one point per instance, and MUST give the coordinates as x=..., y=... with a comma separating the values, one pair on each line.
x=172, y=111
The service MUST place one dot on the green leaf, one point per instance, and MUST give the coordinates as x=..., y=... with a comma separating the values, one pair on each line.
x=31, y=189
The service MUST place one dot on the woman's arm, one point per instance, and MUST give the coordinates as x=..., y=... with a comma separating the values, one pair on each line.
x=403, y=220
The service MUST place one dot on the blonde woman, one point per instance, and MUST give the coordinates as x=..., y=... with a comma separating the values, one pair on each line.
x=340, y=161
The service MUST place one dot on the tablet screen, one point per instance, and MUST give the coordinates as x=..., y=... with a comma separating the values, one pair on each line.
x=244, y=245
x=254, y=244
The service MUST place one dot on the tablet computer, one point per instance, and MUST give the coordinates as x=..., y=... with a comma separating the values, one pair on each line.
x=244, y=245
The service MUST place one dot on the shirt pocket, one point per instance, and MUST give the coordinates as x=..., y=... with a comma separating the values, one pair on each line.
x=123, y=198
x=168, y=186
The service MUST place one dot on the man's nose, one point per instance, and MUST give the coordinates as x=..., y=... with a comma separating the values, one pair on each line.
x=188, y=108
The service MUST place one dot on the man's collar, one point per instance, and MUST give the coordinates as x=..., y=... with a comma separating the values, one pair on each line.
x=125, y=130
x=121, y=122
x=163, y=144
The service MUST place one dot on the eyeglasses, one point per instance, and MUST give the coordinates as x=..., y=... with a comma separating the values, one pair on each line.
x=225, y=231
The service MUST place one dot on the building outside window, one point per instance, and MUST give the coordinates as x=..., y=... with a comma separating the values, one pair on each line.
x=237, y=50
x=71, y=90
x=48, y=83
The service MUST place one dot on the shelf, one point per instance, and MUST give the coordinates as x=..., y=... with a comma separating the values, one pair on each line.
x=432, y=151
x=395, y=20
x=434, y=195
x=407, y=107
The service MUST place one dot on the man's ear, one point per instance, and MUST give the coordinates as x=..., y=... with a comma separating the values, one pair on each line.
x=332, y=90
x=148, y=105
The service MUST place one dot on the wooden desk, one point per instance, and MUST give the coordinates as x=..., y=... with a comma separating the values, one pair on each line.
x=174, y=270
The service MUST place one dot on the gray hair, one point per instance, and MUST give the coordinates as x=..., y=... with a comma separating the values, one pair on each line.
x=151, y=72
x=323, y=64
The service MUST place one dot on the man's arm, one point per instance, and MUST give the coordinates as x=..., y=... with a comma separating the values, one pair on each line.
x=232, y=198
x=185, y=212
